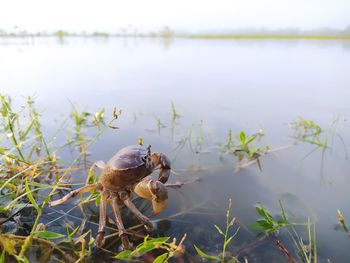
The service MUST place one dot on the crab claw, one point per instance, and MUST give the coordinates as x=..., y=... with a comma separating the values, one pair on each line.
x=154, y=191
x=158, y=207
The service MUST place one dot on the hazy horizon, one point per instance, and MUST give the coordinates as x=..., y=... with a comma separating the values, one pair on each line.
x=181, y=16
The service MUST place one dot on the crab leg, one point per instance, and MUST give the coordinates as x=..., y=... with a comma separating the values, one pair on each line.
x=82, y=190
x=129, y=204
x=118, y=218
x=102, y=220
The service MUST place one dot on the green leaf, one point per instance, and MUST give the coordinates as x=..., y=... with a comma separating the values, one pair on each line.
x=162, y=258
x=251, y=139
x=260, y=210
x=73, y=232
x=125, y=254
x=30, y=196
x=98, y=199
x=2, y=257
x=150, y=244
x=256, y=227
x=147, y=247
x=219, y=230
x=242, y=137
x=158, y=240
x=264, y=213
x=205, y=256
x=228, y=241
x=265, y=224
x=91, y=240
x=48, y=234
x=283, y=212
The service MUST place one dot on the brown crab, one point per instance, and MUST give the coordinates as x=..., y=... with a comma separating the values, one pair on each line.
x=126, y=173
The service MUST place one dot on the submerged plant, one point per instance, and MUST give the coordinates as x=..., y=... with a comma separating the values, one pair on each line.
x=268, y=223
x=342, y=222
x=175, y=115
x=227, y=238
x=169, y=249
x=160, y=124
x=194, y=139
x=309, y=131
x=243, y=147
x=307, y=252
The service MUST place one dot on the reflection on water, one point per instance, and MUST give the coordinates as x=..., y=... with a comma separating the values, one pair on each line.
x=215, y=85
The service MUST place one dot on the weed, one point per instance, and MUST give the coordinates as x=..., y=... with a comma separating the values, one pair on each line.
x=308, y=131
x=243, y=148
x=160, y=125
x=169, y=249
x=342, y=222
x=230, y=221
x=175, y=115
x=26, y=173
x=270, y=224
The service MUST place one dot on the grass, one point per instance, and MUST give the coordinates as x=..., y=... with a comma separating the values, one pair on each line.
x=306, y=252
x=242, y=147
x=342, y=223
x=168, y=249
x=25, y=169
x=309, y=132
x=227, y=238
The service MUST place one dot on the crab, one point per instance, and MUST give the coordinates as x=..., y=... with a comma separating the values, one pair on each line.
x=126, y=173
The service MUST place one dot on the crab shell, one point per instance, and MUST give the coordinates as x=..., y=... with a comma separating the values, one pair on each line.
x=129, y=169
x=126, y=168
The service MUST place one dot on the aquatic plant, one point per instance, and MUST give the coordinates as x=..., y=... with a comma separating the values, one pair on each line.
x=160, y=124
x=268, y=223
x=307, y=252
x=161, y=244
x=227, y=238
x=308, y=131
x=243, y=148
x=175, y=114
x=342, y=222
x=26, y=174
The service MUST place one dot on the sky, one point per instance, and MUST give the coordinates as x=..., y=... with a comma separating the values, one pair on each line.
x=180, y=15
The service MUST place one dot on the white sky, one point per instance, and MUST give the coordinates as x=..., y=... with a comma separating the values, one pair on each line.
x=189, y=15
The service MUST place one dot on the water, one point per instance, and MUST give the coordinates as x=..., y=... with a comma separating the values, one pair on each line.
x=215, y=85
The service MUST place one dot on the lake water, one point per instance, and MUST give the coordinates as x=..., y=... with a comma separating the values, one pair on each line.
x=215, y=85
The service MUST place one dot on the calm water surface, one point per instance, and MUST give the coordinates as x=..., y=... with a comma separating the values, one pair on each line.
x=216, y=85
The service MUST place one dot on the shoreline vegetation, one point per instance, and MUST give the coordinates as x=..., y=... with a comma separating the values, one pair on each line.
x=166, y=32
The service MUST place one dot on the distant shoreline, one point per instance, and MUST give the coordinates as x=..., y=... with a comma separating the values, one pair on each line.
x=270, y=37
x=189, y=36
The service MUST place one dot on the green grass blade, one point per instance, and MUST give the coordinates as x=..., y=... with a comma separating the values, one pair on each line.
x=204, y=255
x=162, y=258
x=30, y=196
